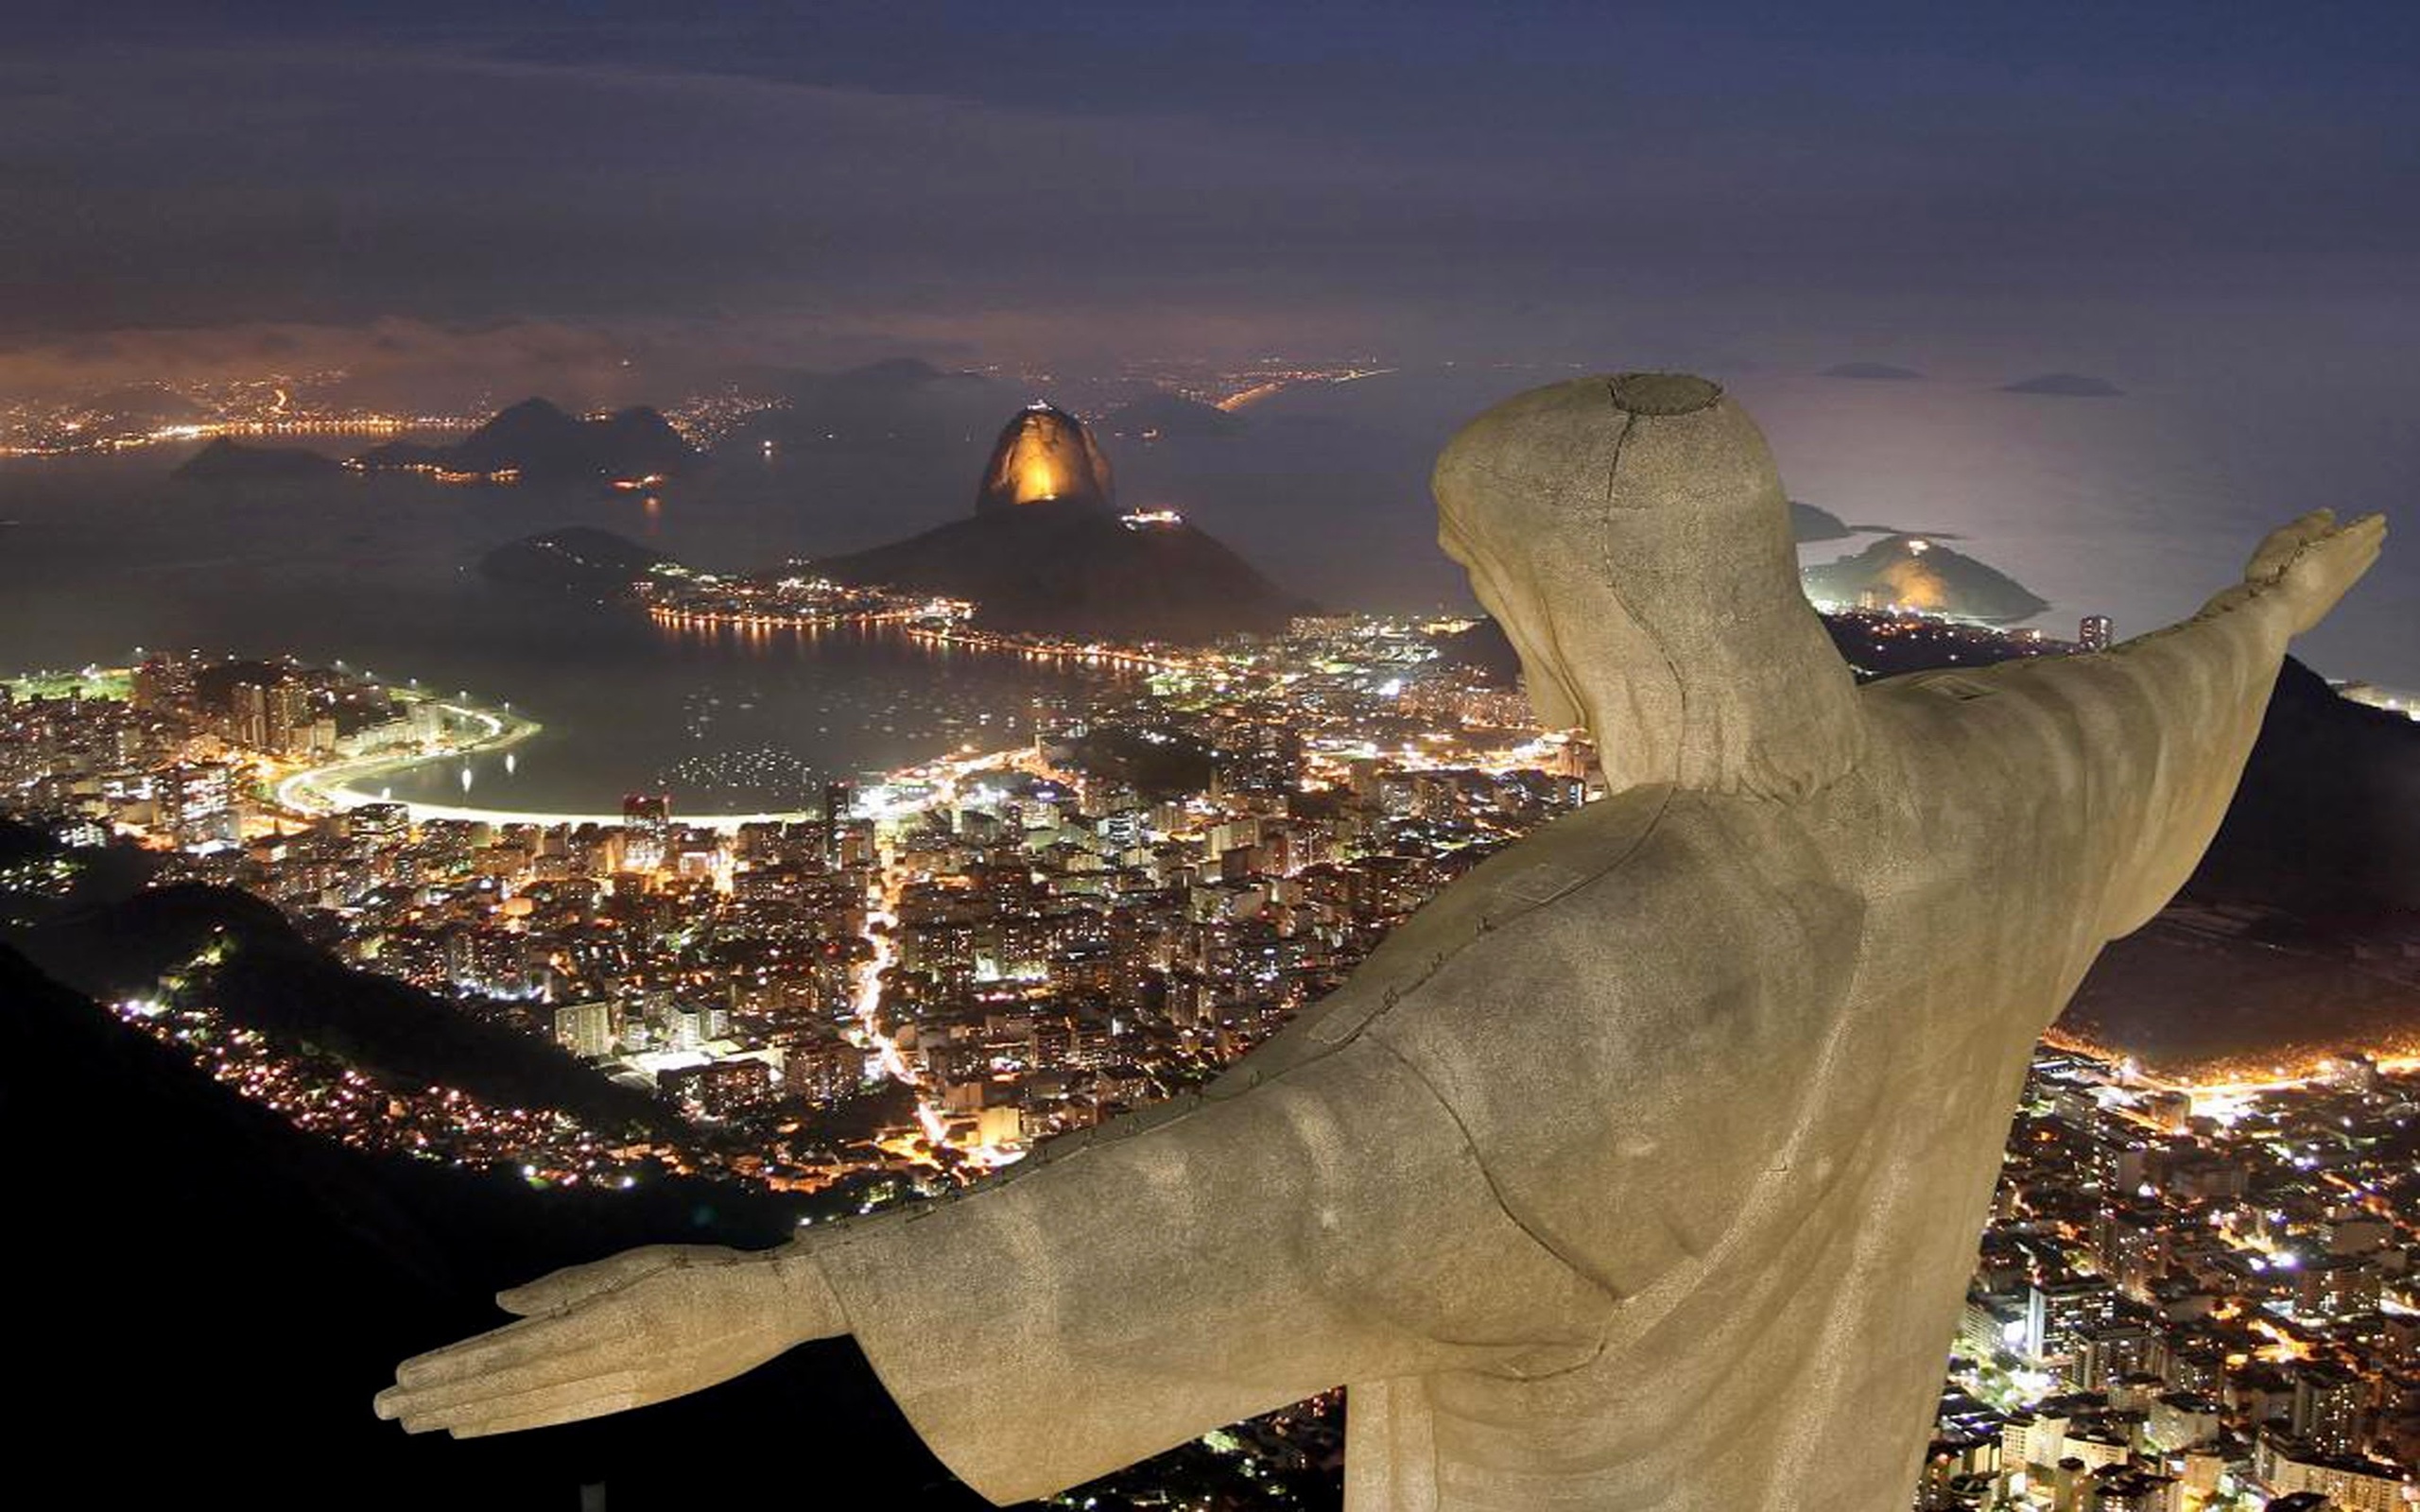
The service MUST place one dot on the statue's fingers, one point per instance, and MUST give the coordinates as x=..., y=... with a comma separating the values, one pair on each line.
x=2369, y=531
x=562, y=1402
x=571, y=1412
x=557, y=1290
x=531, y=1338
x=456, y=1360
x=2350, y=549
x=2278, y=547
x=413, y=1401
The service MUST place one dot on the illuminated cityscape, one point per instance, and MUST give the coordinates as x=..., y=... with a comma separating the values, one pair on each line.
x=2192, y=1295
x=900, y=548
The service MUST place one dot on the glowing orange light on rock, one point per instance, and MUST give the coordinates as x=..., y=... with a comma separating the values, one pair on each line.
x=1036, y=478
x=1044, y=454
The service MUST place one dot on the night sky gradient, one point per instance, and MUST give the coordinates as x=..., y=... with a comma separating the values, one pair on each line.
x=2176, y=195
x=1402, y=173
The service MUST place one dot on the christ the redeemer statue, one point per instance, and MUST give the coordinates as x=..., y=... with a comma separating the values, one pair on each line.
x=1644, y=1167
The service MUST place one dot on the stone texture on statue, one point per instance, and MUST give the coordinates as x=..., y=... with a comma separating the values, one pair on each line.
x=1644, y=1166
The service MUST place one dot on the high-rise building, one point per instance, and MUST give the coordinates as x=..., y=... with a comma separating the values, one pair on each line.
x=161, y=683
x=2328, y=1411
x=2104, y=1356
x=647, y=825
x=198, y=804
x=588, y=1030
x=248, y=716
x=2058, y=1315
x=824, y=1071
x=2130, y=1243
x=837, y=799
x=2094, y=634
x=288, y=717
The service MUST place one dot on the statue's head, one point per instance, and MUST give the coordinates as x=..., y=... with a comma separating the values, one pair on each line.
x=1630, y=535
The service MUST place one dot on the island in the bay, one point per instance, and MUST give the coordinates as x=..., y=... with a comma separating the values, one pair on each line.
x=1920, y=572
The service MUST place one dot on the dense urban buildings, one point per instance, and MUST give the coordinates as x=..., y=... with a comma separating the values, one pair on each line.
x=2191, y=1295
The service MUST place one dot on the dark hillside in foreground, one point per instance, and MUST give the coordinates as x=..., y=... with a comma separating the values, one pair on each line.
x=265, y=976
x=209, y=1300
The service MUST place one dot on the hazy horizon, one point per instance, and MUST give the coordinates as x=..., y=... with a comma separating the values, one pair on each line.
x=477, y=202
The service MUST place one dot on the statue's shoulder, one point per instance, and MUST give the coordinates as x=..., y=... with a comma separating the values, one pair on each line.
x=1502, y=892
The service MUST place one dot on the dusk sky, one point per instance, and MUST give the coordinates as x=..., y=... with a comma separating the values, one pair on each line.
x=2075, y=185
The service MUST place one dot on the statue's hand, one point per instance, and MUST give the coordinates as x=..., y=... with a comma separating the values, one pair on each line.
x=639, y=1328
x=2313, y=560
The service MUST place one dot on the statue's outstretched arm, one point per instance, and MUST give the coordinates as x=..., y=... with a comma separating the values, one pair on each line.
x=2163, y=725
x=1166, y=1274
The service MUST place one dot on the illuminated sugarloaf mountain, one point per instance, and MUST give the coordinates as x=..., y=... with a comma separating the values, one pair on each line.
x=1046, y=550
x=1044, y=454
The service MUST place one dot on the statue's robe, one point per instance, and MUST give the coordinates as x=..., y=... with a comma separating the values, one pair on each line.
x=1643, y=1168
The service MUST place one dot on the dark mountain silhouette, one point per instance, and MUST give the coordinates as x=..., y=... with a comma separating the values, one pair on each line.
x=543, y=444
x=215, y=1297
x=225, y=461
x=1165, y=414
x=1067, y=568
x=1484, y=647
x=1918, y=572
x=578, y=558
x=639, y=443
x=1809, y=523
x=268, y=977
x=388, y=455
x=2065, y=386
x=2328, y=821
x=531, y=432
x=1882, y=372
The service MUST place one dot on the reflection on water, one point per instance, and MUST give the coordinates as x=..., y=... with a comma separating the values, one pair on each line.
x=752, y=718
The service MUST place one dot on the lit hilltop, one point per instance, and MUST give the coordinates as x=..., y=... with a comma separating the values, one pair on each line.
x=1043, y=454
x=1047, y=550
